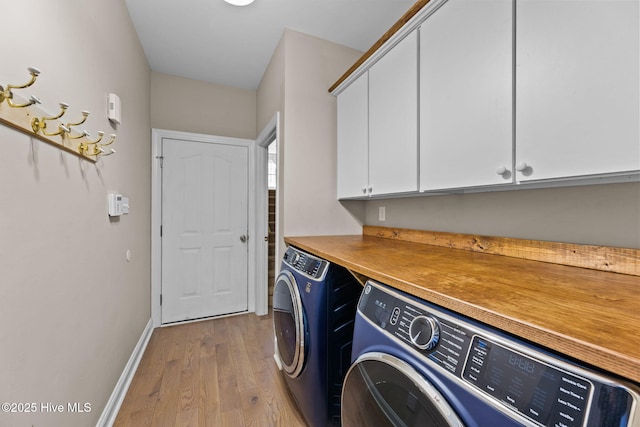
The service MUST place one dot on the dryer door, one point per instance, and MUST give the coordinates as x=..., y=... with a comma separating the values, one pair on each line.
x=382, y=390
x=288, y=324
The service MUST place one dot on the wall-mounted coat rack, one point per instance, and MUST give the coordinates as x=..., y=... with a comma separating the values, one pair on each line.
x=23, y=114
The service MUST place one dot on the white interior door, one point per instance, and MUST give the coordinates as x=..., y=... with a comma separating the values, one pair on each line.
x=204, y=229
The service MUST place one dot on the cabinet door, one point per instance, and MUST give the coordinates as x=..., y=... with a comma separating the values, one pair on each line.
x=393, y=119
x=466, y=95
x=577, y=88
x=353, y=139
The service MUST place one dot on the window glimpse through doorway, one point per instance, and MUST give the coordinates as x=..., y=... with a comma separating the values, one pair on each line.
x=272, y=180
x=271, y=165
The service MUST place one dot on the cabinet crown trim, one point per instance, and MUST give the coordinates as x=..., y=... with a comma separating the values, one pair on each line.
x=406, y=24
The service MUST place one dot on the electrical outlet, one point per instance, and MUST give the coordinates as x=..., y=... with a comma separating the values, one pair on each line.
x=381, y=213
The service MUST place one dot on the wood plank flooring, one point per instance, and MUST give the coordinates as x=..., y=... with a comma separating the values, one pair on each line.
x=217, y=372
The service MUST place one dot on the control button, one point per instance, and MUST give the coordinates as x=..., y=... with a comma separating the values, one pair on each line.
x=294, y=258
x=424, y=332
x=395, y=315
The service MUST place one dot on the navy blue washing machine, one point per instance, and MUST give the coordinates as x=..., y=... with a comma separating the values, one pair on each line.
x=417, y=364
x=314, y=304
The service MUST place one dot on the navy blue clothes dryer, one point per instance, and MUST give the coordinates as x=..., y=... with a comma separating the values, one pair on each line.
x=314, y=304
x=416, y=364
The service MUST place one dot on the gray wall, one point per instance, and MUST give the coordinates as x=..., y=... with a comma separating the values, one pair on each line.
x=71, y=307
x=310, y=202
x=192, y=106
x=295, y=83
x=606, y=215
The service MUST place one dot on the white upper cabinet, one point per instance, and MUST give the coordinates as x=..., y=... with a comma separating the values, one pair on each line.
x=393, y=120
x=466, y=95
x=479, y=94
x=353, y=139
x=577, y=91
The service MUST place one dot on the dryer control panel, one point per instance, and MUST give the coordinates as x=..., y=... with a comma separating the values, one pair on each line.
x=525, y=382
x=447, y=341
x=311, y=266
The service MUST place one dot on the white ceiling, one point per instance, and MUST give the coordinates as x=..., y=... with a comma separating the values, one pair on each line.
x=212, y=41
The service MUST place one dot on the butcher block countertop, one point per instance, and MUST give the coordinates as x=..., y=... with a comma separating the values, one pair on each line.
x=587, y=314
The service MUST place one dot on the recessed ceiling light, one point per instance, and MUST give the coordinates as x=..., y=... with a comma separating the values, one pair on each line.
x=239, y=2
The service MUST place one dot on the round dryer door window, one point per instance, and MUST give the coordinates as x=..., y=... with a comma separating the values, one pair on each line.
x=382, y=390
x=288, y=324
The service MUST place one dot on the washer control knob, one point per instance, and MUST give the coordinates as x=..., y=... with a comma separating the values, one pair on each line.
x=424, y=332
x=294, y=258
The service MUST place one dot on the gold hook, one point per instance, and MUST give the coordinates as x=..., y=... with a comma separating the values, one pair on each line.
x=82, y=135
x=84, y=149
x=40, y=124
x=97, y=141
x=98, y=151
x=32, y=100
x=113, y=138
x=61, y=129
x=8, y=94
x=85, y=114
x=34, y=75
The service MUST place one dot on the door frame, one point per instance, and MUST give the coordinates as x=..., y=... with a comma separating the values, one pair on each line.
x=255, y=295
x=268, y=134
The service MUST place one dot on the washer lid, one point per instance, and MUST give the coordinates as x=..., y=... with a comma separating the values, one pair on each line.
x=382, y=390
x=288, y=324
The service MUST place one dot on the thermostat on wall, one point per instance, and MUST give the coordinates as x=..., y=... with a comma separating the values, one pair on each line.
x=114, y=108
x=118, y=205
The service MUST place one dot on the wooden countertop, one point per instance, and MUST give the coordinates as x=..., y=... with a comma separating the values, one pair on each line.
x=589, y=315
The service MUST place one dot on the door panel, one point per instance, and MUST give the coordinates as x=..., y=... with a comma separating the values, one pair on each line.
x=204, y=210
x=393, y=119
x=466, y=95
x=577, y=88
x=353, y=139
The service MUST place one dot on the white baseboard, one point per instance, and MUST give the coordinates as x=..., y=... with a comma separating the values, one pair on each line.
x=112, y=408
x=276, y=356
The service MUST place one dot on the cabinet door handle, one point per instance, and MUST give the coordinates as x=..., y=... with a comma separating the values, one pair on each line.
x=521, y=166
x=370, y=189
x=501, y=170
x=364, y=190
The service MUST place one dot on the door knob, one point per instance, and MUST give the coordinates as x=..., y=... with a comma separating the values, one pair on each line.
x=243, y=238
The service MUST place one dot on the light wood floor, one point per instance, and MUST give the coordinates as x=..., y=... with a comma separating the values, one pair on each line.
x=217, y=372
